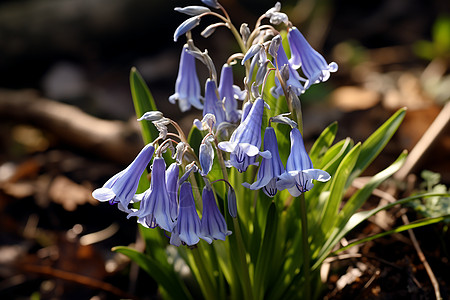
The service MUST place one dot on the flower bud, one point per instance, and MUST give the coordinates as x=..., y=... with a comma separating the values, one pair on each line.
x=192, y=10
x=185, y=27
x=151, y=116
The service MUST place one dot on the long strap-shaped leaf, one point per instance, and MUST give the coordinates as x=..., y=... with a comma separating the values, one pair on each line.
x=360, y=217
x=143, y=102
x=353, y=204
x=165, y=277
x=412, y=225
x=338, y=188
x=323, y=143
x=375, y=143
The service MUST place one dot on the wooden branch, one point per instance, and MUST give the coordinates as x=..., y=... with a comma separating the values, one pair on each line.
x=113, y=140
x=90, y=282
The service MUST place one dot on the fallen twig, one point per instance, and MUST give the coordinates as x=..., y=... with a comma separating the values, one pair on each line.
x=77, y=278
x=114, y=140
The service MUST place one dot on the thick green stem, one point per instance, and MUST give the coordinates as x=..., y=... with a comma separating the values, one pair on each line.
x=306, y=249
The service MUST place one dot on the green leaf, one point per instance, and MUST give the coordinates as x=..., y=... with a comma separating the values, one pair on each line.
x=265, y=256
x=143, y=102
x=354, y=203
x=375, y=143
x=165, y=277
x=337, y=188
x=154, y=241
x=441, y=35
x=360, y=217
x=412, y=225
x=358, y=198
x=316, y=197
x=323, y=143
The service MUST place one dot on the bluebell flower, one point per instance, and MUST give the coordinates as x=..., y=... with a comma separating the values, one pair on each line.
x=212, y=104
x=245, y=141
x=245, y=110
x=213, y=223
x=122, y=187
x=172, y=173
x=270, y=168
x=187, y=229
x=294, y=78
x=187, y=86
x=229, y=93
x=299, y=169
x=155, y=209
x=312, y=62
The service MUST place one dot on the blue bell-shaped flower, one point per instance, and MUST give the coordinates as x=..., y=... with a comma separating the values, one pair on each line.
x=245, y=141
x=172, y=173
x=294, y=78
x=229, y=93
x=299, y=169
x=155, y=209
x=212, y=104
x=187, y=86
x=187, y=229
x=312, y=62
x=213, y=223
x=270, y=168
x=121, y=187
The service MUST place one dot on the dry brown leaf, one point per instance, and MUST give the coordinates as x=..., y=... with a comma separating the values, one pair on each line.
x=70, y=194
x=350, y=98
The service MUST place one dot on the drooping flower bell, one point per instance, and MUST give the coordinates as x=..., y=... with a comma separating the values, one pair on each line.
x=187, y=86
x=245, y=141
x=121, y=187
x=229, y=93
x=299, y=169
x=312, y=62
x=155, y=209
x=293, y=78
x=172, y=173
x=212, y=104
x=187, y=229
x=213, y=223
x=270, y=168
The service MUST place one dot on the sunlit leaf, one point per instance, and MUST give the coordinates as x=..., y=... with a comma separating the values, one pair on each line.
x=143, y=102
x=376, y=142
x=164, y=276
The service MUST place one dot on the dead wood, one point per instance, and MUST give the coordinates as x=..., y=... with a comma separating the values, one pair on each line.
x=113, y=140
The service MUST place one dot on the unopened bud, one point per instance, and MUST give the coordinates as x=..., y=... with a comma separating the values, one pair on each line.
x=192, y=10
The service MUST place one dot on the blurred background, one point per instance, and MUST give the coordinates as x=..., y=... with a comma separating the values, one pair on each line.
x=67, y=121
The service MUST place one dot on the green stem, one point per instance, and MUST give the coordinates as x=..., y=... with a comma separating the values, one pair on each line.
x=209, y=289
x=306, y=249
x=245, y=276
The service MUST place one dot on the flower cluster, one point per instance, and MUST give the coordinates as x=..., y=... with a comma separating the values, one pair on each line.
x=169, y=202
